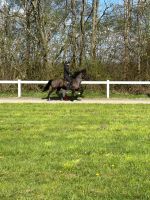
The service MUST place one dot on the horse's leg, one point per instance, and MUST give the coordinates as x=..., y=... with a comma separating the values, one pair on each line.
x=63, y=94
x=81, y=90
x=49, y=93
x=58, y=92
x=48, y=97
x=73, y=95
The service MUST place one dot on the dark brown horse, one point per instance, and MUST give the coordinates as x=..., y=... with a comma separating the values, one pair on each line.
x=61, y=86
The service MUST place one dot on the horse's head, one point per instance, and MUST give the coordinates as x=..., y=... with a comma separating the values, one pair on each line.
x=77, y=79
x=83, y=71
x=79, y=74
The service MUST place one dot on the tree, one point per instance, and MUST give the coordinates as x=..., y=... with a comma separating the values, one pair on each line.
x=74, y=34
x=95, y=6
x=127, y=24
x=82, y=33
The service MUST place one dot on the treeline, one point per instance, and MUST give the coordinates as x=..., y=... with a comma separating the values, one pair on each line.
x=111, y=40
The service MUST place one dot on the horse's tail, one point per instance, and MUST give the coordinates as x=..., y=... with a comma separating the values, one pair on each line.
x=47, y=86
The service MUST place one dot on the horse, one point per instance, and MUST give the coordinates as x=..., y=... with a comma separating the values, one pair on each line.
x=61, y=85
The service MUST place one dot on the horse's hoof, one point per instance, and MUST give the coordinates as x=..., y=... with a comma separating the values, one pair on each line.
x=66, y=98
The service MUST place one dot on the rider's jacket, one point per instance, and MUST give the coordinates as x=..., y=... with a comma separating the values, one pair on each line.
x=67, y=74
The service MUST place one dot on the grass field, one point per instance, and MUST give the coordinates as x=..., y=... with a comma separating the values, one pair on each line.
x=87, y=94
x=73, y=152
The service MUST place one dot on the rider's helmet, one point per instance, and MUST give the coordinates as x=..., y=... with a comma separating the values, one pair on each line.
x=67, y=63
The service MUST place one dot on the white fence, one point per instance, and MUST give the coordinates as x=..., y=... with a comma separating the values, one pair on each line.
x=107, y=83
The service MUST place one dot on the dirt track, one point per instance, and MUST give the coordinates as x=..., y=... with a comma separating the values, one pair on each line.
x=97, y=101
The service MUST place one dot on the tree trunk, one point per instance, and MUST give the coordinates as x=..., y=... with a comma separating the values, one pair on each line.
x=94, y=28
x=127, y=18
x=139, y=40
x=27, y=35
x=82, y=33
x=74, y=40
x=42, y=34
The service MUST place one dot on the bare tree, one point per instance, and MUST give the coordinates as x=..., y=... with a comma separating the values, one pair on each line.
x=82, y=33
x=95, y=6
x=127, y=23
x=74, y=33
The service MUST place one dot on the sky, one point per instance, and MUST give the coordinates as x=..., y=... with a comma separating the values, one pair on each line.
x=108, y=2
x=103, y=3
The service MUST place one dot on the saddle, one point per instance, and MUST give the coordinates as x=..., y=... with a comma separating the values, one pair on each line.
x=68, y=87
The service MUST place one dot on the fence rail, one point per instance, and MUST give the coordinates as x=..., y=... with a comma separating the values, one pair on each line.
x=107, y=83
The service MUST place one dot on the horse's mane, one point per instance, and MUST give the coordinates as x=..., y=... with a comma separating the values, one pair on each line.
x=75, y=74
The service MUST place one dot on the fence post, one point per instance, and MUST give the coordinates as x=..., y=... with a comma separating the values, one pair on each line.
x=19, y=88
x=108, y=89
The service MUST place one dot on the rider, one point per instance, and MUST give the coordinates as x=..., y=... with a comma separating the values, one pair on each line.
x=67, y=74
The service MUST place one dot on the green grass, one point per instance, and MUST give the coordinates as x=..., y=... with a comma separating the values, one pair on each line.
x=87, y=94
x=75, y=151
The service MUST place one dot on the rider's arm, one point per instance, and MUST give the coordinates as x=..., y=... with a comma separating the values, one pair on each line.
x=67, y=70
